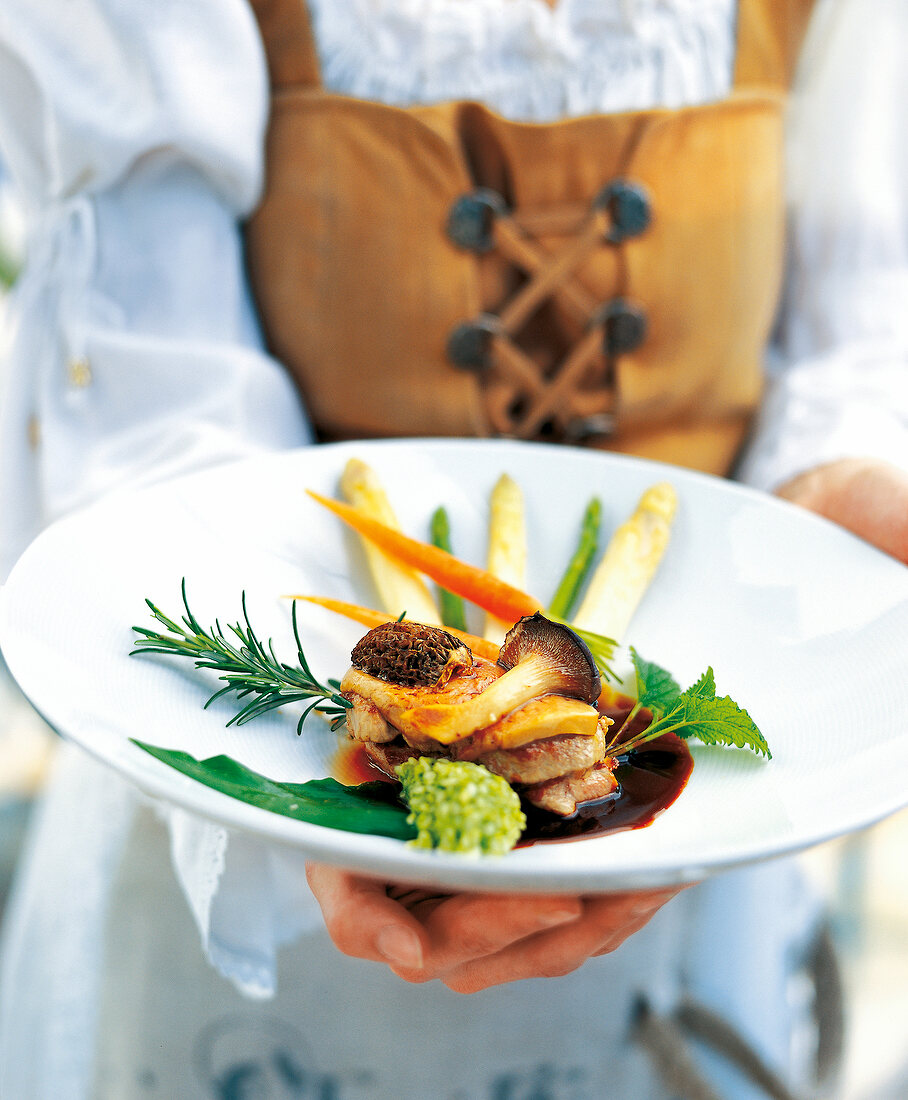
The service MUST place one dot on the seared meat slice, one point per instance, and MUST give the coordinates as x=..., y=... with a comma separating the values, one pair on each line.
x=548, y=759
x=393, y=701
x=560, y=796
x=414, y=691
x=502, y=747
x=539, y=657
x=387, y=756
x=365, y=722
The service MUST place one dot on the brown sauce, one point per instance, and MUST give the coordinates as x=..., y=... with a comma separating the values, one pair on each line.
x=351, y=766
x=649, y=781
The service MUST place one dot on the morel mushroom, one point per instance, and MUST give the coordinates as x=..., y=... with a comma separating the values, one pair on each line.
x=542, y=657
x=411, y=654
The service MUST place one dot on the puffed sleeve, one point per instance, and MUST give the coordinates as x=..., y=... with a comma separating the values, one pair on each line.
x=839, y=367
x=133, y=134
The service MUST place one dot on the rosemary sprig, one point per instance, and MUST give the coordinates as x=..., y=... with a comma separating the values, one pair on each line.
x=250, y=668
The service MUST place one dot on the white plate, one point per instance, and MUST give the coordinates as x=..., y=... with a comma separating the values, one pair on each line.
x=805, y=626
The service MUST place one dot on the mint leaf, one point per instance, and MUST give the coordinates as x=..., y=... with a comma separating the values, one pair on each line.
x=704, y=688
x=362, y=809
x=657, y=689
x=714, y=721
x=695, y=712
x=720, y=722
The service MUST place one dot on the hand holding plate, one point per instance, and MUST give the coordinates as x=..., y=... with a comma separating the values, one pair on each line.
x=472, y=941
x=863, y=495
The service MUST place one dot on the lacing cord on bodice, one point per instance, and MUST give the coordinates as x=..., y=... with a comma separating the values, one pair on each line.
x=573, y=397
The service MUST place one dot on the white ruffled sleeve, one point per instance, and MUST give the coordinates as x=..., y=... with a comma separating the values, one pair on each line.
x=133, y=133
x=839, y=367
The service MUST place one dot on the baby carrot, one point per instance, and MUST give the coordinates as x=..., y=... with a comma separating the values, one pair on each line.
x=370, y=618
x=474, y=584
x=366, y=616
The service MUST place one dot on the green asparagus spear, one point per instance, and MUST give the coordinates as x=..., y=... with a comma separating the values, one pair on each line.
x=578, y=568
x=452, y=607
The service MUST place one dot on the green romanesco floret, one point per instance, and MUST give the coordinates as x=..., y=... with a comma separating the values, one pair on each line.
x=460, y=807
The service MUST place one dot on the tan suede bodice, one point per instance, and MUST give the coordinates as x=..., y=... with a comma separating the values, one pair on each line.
x=440, y=270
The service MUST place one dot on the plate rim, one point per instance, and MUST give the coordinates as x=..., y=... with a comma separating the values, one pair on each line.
x=157, y=780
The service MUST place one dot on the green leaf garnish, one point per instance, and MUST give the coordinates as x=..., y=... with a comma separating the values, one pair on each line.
x=696, y=712
x=704, y=688
x=366, y=808
x=657, y=689
x=715, y=721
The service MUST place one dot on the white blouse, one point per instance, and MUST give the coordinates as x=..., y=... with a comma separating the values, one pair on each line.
x=134, y=134
x=137, y=153
x=585, y=56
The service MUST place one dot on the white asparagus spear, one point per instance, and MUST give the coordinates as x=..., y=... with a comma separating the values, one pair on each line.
x=628, y=565
x=399, y=589
x=507, y=554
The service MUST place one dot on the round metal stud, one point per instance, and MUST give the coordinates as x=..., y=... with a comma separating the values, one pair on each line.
x=629, y=208
x=624, y=326
x=471, y=218
x=470, y=344
x=583, y=428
